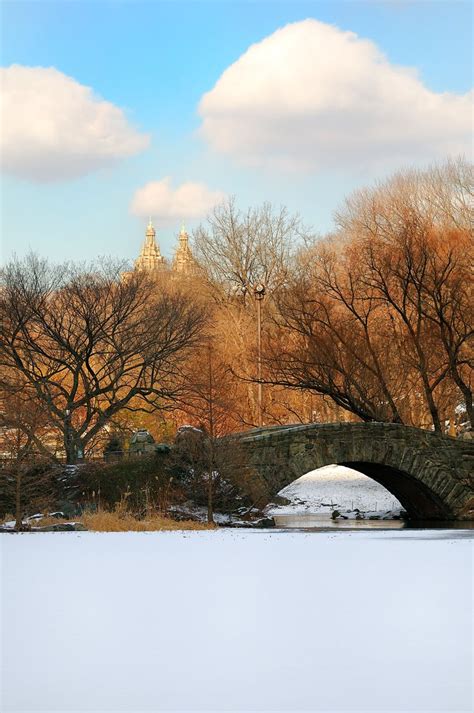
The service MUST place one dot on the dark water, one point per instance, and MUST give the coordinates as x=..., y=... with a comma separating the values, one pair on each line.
x=307, y=521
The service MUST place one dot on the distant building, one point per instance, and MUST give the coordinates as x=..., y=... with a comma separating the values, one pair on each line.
x=151, y=260
x=184, y=261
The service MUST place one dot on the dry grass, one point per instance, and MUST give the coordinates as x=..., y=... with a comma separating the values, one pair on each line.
x=118, y=521
x=122, y=521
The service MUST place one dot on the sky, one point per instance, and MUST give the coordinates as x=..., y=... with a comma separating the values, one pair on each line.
x=116, y=111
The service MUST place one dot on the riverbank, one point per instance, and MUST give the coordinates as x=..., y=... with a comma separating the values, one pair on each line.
x=117, y=520
x=241, y=620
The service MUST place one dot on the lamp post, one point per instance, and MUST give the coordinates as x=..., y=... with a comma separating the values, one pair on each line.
x=259, y=292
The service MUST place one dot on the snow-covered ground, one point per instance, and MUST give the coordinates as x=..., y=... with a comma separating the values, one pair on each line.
x=234, y=620
x=335, y=487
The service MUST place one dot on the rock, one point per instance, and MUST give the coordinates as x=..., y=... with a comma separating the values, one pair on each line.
x=241, y=511
x=162, y=448
x=32, y=518
x=264, y=522
x=251, y=514
x=280, y=500
x=62, y=527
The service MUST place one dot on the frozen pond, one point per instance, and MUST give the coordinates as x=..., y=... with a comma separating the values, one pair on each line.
x=318, y=522
x=233, y=620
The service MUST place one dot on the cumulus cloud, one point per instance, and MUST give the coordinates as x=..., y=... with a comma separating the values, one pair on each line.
x=53, y=128
x=311, y=95
x=168, y=204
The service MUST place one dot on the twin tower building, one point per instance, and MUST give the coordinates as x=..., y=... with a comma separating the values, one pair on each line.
x=151, y=259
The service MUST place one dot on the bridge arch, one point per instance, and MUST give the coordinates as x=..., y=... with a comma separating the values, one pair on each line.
x=419, y=501
x=431, y=475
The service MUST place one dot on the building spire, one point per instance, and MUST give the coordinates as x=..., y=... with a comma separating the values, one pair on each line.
x=150, y=257
x=183, y=260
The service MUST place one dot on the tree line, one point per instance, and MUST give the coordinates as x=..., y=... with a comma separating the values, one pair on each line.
x=378, y=316
x=372, y=322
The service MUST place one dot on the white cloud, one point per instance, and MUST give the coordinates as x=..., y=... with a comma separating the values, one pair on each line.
x=54, y=128
x=312, y=96
x=168, y=204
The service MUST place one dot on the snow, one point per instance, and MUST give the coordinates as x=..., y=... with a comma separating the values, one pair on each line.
x=199, y=513
x=9, y=524
x=335, y=487
x=31, y=520
x=233, y=620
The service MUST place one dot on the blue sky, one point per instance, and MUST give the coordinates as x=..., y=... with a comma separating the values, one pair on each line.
x=155, y=61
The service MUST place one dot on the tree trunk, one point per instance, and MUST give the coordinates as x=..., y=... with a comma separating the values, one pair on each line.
x=469, y=407
x=210, y=505
x=467, y=394
x=73, y=446
x=434, y=413
x=18, y=513
x=71, y=456
x=210, y=482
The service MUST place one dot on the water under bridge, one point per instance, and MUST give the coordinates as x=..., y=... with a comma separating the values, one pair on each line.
x=431, y=475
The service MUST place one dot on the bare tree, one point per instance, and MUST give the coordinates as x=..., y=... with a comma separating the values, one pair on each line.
x=380, y=317
x=208, y=405
x=238, y=248
x=321, y=345
x=446, y=303
x=414, y=236
x=88, y=343
x=448, y=190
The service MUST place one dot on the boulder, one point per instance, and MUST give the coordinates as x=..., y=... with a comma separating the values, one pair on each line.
x=62, y=527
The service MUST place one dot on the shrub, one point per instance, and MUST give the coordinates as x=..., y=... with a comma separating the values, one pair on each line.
x=144, y=481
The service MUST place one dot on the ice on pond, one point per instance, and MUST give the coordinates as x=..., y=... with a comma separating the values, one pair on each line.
x=236, y=620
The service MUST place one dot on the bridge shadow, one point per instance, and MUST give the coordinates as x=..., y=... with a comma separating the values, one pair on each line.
x=416, y=498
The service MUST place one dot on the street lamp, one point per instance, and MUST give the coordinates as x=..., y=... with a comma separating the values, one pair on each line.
x=259, y=292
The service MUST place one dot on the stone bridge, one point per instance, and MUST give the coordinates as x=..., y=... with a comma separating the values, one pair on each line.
x=431, y=475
